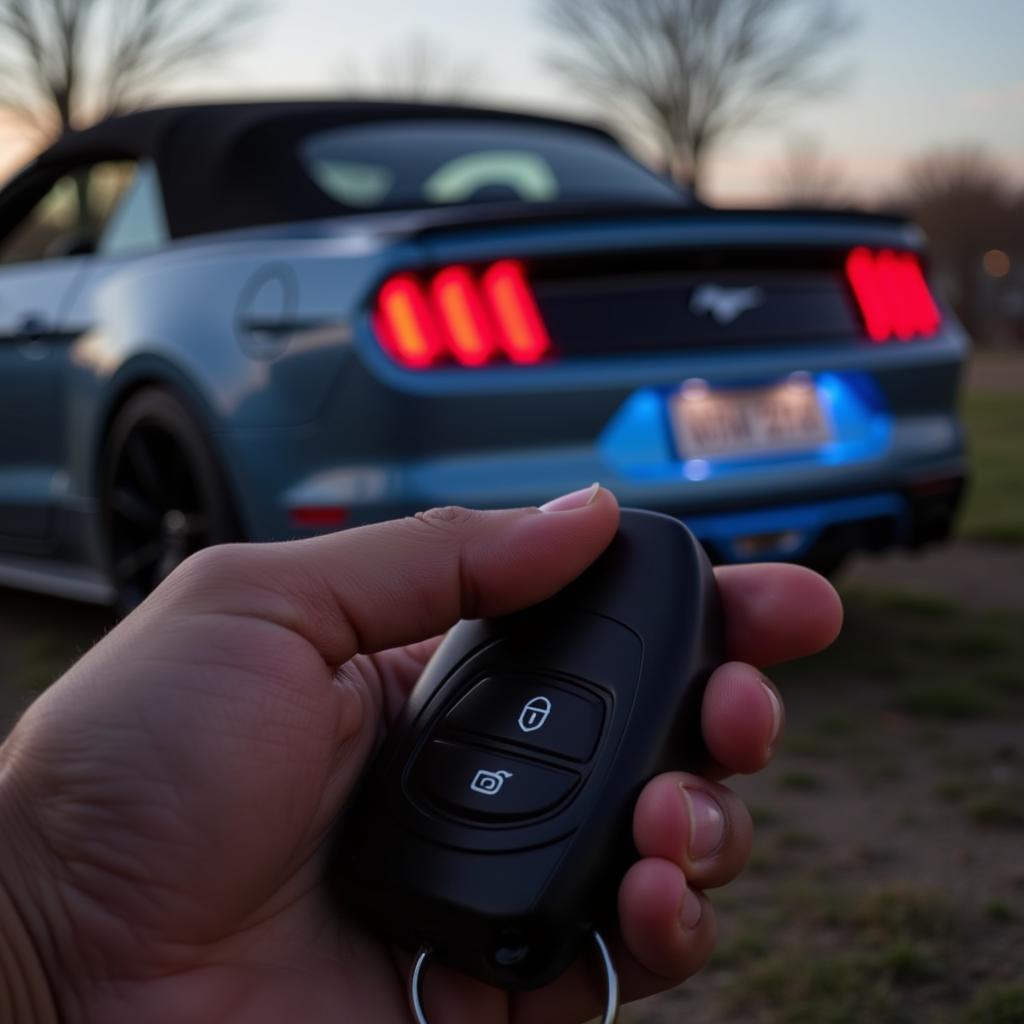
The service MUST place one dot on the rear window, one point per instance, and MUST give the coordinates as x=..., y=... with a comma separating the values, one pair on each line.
x=410, y=164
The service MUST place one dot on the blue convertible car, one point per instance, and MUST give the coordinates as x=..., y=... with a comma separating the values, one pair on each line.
x=264, y=320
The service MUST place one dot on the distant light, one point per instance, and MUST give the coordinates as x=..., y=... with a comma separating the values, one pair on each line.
x=696, y=469
x=996, y=263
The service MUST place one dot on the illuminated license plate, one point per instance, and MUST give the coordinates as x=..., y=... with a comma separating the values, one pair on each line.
x=782, y=418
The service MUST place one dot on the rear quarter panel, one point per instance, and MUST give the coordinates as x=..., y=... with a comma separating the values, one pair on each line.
x=177, y=319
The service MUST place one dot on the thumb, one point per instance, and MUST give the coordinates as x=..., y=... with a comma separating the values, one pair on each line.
x=394, y=583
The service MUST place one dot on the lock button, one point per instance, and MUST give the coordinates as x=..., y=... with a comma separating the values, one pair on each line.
x=483, y=784
x=532, y=711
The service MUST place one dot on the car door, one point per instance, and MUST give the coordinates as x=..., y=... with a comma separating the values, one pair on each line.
x=41, y=258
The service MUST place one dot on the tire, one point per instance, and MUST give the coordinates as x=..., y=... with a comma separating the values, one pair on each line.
x=833, y=548
x=162, y=494
x=827, y=564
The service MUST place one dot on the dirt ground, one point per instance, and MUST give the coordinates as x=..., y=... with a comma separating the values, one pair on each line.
x=995, y=372
x=988, y=576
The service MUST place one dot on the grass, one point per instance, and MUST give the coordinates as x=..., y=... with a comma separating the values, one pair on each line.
x=994, y=509
x=952, y=791
x=765, y=816
x=802, y=781
x=1000, y=912
x=809, y=744
x=45, y=656
x=1002, y=807
x=953, y=702
x=930, y=661
x=997, y=1004
x=838, y=959
x=917, y=707
x=795, y=839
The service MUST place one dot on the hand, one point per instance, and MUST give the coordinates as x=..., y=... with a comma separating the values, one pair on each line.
x=165, y=804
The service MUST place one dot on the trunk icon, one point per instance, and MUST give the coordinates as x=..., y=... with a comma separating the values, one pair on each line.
x=489, y=783
x=534, y=714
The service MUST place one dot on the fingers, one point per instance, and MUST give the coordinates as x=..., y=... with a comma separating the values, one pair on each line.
x=666, y=933
x=742, y=719
x=774, y=612
x=666, y=924
x=403, y=581
x=699, y=826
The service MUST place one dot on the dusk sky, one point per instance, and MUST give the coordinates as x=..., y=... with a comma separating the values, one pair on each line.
x=921, y=74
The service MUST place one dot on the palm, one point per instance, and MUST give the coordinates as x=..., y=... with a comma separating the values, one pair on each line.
x=219, y=795
x=173, y=792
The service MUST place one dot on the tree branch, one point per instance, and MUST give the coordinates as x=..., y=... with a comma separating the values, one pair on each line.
x=691, y=71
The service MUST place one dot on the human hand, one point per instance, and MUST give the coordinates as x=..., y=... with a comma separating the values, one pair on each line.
x=165, y=805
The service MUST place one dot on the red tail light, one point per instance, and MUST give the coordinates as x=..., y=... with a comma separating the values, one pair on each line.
x=461, y=317
x=469, y=333
x=892, y=293
x=524, y=336
x=407, y=324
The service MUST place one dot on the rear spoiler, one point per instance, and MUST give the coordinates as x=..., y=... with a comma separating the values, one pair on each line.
x=424, y=224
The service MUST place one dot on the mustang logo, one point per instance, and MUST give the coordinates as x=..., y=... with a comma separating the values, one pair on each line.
x=724, y=304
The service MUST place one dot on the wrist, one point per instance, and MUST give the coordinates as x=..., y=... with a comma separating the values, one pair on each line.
x=26, y=940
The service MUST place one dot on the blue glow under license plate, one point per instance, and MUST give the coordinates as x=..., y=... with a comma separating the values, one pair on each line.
x=786, y=417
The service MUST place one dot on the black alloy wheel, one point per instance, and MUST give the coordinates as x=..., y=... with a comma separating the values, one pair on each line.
x=162, y=496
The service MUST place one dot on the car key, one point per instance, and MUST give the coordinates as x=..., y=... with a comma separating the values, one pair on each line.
x=493, y=826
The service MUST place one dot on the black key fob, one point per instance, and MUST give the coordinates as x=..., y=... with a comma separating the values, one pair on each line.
x=494, y=824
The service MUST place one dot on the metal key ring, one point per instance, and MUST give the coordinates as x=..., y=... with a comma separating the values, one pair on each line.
x=611, y=1011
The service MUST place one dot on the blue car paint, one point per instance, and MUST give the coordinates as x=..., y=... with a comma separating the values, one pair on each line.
x=278, y=426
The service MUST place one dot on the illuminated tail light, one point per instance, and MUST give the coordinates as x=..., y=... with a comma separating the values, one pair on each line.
x=524, y=337
x=469, y=334
x=407, y=325
x=460, y=317
x=892, y=294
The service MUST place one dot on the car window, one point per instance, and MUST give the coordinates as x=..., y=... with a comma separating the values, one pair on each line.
x=70, y=218
x=407, y=164
x=138, y=223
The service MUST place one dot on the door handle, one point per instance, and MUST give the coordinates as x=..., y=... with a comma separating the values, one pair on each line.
x=31, y=327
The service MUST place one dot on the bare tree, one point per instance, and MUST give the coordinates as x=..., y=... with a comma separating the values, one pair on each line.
x=964, y=201
x=690, y=72
x=64, y=63
x=808, y=179
x=419, y=68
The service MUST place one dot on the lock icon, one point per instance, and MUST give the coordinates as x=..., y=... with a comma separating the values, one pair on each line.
x=534, y=714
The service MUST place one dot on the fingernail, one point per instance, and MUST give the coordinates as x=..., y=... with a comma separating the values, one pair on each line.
x=577, y=499
x=691, y=910
x=707, y=823
x=773, y=699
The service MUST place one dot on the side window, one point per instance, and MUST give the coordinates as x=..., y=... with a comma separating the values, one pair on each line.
x=138, y=223
x=71, y=217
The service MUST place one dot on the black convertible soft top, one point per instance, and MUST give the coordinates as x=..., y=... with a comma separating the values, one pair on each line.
x=232, y=165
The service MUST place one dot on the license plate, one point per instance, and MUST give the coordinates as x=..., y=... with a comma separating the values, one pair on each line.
x=786, y=417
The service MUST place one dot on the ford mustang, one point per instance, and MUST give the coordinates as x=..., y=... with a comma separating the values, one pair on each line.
x=262, y=320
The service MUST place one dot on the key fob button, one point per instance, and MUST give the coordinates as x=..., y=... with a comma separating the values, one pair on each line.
x=532, y=711
x=482, y=784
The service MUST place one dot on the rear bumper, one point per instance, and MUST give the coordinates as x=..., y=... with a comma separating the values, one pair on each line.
x=907, y=504
x=819, y=532
x=519, y=439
